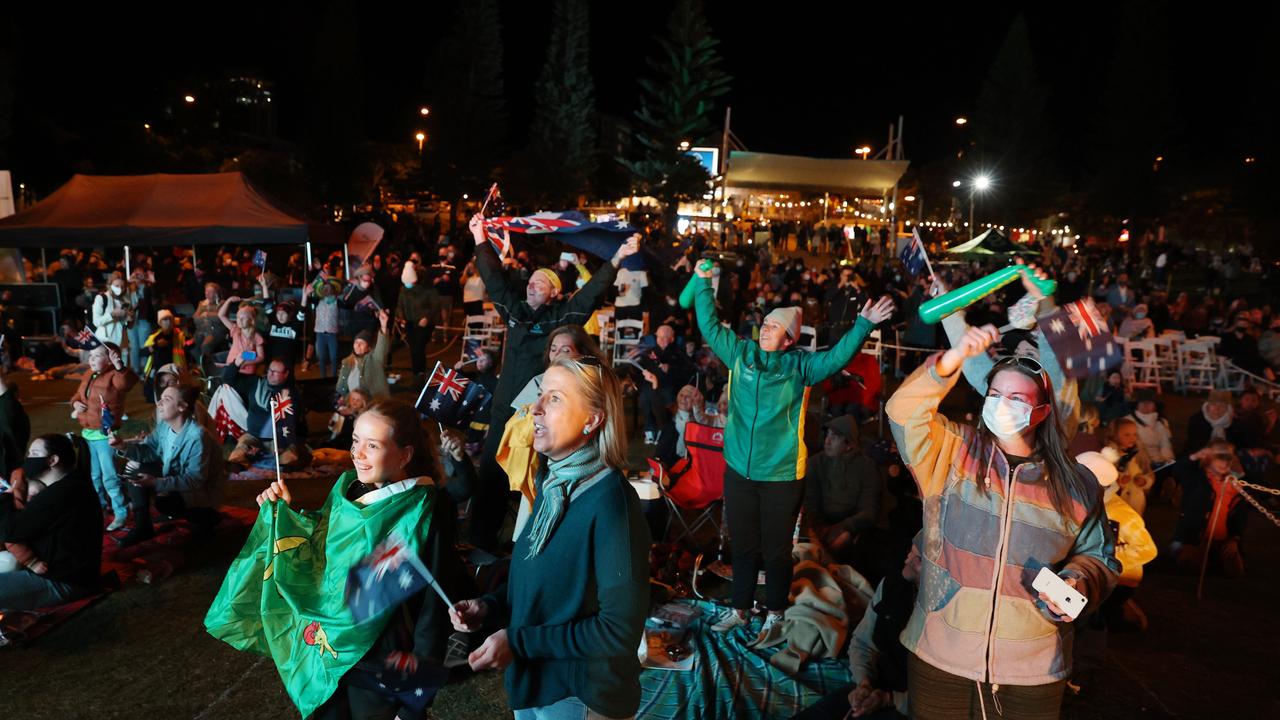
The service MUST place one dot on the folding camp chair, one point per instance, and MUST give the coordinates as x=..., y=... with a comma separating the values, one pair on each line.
x=695, y=484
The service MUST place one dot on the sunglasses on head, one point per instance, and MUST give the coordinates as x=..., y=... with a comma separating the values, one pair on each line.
x=1027, y=363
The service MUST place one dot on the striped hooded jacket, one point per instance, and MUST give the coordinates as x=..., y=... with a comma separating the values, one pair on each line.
x=988, y=530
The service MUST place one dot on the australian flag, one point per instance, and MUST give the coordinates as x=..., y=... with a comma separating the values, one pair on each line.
x=260, y=259
x=1084, y=345
x=913, y=255
x=85, y=339
x=108, y=419
x=385, y=579
x=282, y=414
x=572, y=228
x=451, y=399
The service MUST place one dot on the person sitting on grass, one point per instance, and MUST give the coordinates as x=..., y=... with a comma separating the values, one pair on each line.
x=61, y=525
x=179, y=464
x=261, y=431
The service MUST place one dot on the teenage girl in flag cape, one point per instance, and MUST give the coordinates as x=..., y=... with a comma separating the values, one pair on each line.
x=284, y=594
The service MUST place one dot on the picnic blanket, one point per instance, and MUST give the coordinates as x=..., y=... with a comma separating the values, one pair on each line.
x=148, y=562
x=730, y=680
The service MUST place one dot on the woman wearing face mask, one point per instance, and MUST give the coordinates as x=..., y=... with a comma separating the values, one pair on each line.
x=326, y=325
x=980, y=636
x=247, y=344
x=1137, y=326
x=576, y=598
x=111, y=313
x=350, y=667
x=61, y=526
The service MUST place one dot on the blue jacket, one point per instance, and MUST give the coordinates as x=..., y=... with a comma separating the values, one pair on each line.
x=190, y=462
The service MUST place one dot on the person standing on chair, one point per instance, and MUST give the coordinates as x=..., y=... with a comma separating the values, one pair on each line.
x=764, y=439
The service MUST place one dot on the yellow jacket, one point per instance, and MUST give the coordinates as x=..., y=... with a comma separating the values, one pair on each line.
x=516, y=454
x=1134, y=546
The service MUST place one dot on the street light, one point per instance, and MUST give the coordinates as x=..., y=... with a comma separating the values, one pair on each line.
x=979, y=184
x=189, y=98
x=956, y=183
x=962, y=120
x=421, y=137
x=863, y=151
x=424, y=111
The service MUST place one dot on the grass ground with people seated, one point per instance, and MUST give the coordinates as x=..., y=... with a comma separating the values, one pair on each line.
x=142, y=651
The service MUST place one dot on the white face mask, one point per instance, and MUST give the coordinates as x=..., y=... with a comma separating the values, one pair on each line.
x=116, y=289
x=1005, y=418
x=1148, y=418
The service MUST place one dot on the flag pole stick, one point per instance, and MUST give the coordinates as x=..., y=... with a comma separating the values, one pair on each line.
x=275, y=442
x=492, y=189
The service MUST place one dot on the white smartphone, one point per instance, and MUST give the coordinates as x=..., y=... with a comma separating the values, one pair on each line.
x=1063, y=595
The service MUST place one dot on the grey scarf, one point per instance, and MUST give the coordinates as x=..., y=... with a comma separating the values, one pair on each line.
x=564, y=478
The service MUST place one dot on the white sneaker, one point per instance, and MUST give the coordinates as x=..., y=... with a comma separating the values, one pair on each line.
x=728, y=620
x=117, y=522
x=770, y=621
x=648, y=437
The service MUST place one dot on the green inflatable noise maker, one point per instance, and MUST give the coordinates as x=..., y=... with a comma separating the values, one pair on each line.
x=686, y=295
x=934, y=310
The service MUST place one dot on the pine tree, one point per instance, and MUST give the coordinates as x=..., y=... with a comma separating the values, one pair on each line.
x=676, y=106
x=468, y=117
x=562, y=134
x=1012, y=128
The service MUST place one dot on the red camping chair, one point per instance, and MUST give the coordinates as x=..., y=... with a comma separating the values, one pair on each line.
x=695, y=483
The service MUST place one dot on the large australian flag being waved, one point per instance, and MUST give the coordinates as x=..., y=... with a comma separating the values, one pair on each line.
x=572, y=228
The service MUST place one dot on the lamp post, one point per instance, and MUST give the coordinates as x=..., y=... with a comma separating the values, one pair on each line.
x=977, y=185
x=421, y=137
x=864, y=151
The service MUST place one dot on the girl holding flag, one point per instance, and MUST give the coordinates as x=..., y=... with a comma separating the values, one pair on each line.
x=284, y=594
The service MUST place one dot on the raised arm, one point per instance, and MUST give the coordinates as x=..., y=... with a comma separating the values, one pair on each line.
x=222, y=312
x=926, y=438
x=818, y=366
x=586, y=299
x=496, y=284
x=720, y=339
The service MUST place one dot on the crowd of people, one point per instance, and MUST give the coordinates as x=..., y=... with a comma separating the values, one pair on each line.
x=949, y=518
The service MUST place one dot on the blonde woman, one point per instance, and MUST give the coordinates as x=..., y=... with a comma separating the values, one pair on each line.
x=575, y=601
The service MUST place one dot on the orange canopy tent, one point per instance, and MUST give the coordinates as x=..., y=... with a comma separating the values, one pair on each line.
x=137, y=210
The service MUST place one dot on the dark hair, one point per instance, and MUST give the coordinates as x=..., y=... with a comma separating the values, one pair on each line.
x=582, y=342
x=406, y=431
x=71, y=450
x=1060, y=469
x=188, y=394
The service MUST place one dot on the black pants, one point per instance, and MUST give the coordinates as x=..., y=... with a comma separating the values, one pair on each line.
x=418, y=339
x=653, y=406
x=762, y=517
x=353, y=703
x=492, y=492
x=202, y=519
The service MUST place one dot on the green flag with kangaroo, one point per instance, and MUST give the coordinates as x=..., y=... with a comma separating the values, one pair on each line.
x=283, y=596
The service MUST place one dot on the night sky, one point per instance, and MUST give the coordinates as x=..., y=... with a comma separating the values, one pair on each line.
x=809, y=78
